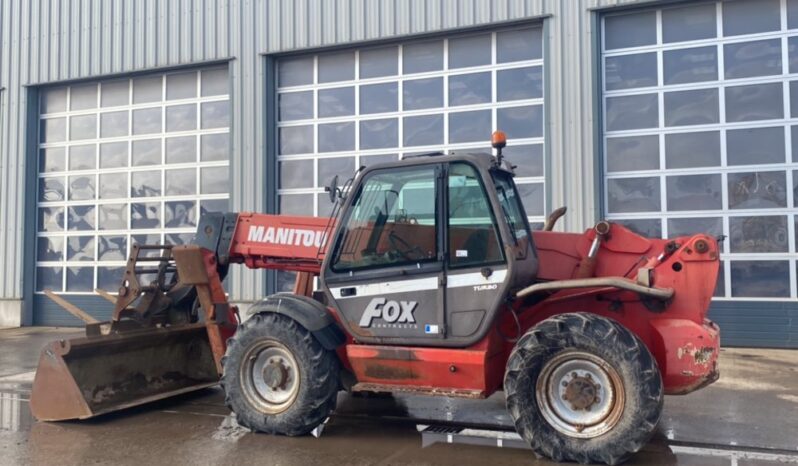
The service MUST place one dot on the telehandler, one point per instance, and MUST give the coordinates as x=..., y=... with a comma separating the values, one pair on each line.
x=428, y=281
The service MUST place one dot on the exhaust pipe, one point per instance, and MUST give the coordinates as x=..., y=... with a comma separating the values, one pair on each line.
x=587, y=267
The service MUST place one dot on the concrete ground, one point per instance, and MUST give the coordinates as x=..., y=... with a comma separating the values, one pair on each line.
x=749, y=417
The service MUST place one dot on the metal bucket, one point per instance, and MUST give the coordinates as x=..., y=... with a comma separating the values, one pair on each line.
x=86, y=377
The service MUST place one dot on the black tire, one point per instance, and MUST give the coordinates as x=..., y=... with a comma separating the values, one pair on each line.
x=532, y=376
x=318, y=368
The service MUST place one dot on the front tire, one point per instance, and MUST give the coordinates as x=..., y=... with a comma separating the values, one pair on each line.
x=277, y=377
x=581, y=387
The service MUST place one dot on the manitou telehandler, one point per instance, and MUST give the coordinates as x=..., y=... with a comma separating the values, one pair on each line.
x=428, y=281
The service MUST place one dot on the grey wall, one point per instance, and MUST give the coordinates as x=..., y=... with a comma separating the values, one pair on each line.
x=52, y=41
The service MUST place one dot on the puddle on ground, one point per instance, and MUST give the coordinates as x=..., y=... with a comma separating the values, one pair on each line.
x=15, y=414
x=230, y=430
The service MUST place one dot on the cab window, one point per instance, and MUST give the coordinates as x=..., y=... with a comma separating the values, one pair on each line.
x=473, y=239
x=392, y=221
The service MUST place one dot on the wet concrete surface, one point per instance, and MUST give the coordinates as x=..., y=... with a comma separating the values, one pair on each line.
x=748, y=417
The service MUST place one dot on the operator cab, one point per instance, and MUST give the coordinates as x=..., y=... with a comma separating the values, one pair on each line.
x=427, y=249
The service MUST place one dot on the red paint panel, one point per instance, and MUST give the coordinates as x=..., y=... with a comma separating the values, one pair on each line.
x=452, y=369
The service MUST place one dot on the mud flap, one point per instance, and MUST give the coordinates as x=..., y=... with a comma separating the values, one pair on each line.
x=86, y=377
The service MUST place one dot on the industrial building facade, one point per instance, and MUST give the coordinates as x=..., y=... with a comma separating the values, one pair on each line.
x=122, y=122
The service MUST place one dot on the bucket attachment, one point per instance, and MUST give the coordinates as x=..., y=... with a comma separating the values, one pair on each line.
x=85, y=377
x=165, y=338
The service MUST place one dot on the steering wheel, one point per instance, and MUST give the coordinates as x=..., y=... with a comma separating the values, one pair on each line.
x=404, y=248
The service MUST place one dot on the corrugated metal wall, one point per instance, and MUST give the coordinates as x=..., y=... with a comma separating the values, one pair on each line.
x=49, y=41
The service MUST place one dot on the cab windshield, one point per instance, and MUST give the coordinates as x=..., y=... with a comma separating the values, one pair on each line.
x=512, y=208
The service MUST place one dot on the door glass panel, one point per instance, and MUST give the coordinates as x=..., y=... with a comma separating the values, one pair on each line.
x=391, y=221
x=473, y=239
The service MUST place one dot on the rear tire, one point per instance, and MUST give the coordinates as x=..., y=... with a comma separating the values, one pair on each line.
x=277, y=377
x=581, y=387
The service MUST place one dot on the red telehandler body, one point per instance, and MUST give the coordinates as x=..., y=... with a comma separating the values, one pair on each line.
x=429, y=281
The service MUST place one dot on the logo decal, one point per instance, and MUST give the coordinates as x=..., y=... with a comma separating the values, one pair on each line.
x=393, y=312
x=286, y=236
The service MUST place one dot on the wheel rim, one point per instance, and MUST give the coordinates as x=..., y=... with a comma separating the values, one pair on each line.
x=270, y=377
x=580, y=394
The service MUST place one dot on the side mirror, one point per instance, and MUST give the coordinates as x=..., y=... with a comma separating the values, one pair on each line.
x=332, y=189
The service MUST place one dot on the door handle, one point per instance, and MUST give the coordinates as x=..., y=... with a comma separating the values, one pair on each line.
x=349, y=291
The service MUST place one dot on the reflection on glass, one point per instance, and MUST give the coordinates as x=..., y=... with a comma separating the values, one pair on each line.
x=115, y=93
x=690, y=65
x=379, y=134
x=336, y=137
x=296, y=174
x=648, y=227
x=113, y=124
x=82, y=127
x=690, y=150
x=422, y=56
x=109, y=278
x=113, y=216
x=181, y=149
x=145, y=215
x=214, y=180
x=694, y=192
x=181, y=182
x=422, y=93
x=378, y=98
x=180, y=214
x=697, y=107
x=80, y=248
x=181, y=117
x=80, y=279
x=336, y=66
x=145, y=184
x=344, y=167
x=760, y=279
x=692, y=22
x=214, y=82
x=469, y=51
x=215, y=114
x=376, y=62
x=82, y=157
x=147, y=120
x=296, y=204
x=295, y=105
x=469, y=89
x=52, y=159
x=295, y=71
x=113, y=154
x=51, y=218
x=214, y=147
x=632, y=153
x=51, y=189
x=111, y=248
x=632, y=112
x=760, y=233
x=146, y=152
x=181, y=85
x=81, y=187
x=81, y=218
x=50, y=248
x=296, y=140
x=756, y=190
x=748, y=59
x=519, y=83
x=754, y=102
x=49, y=278
x=633, y=195
x=629, y=71
x=469, y=126
x=53, y=130
x=751, y=146
x=521, y=122
x=519, y=44
x=147, y=89
x=336, y=102
x=422, y=130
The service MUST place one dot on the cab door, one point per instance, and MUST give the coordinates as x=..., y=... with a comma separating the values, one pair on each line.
x=476, y=267
x=386, y=272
